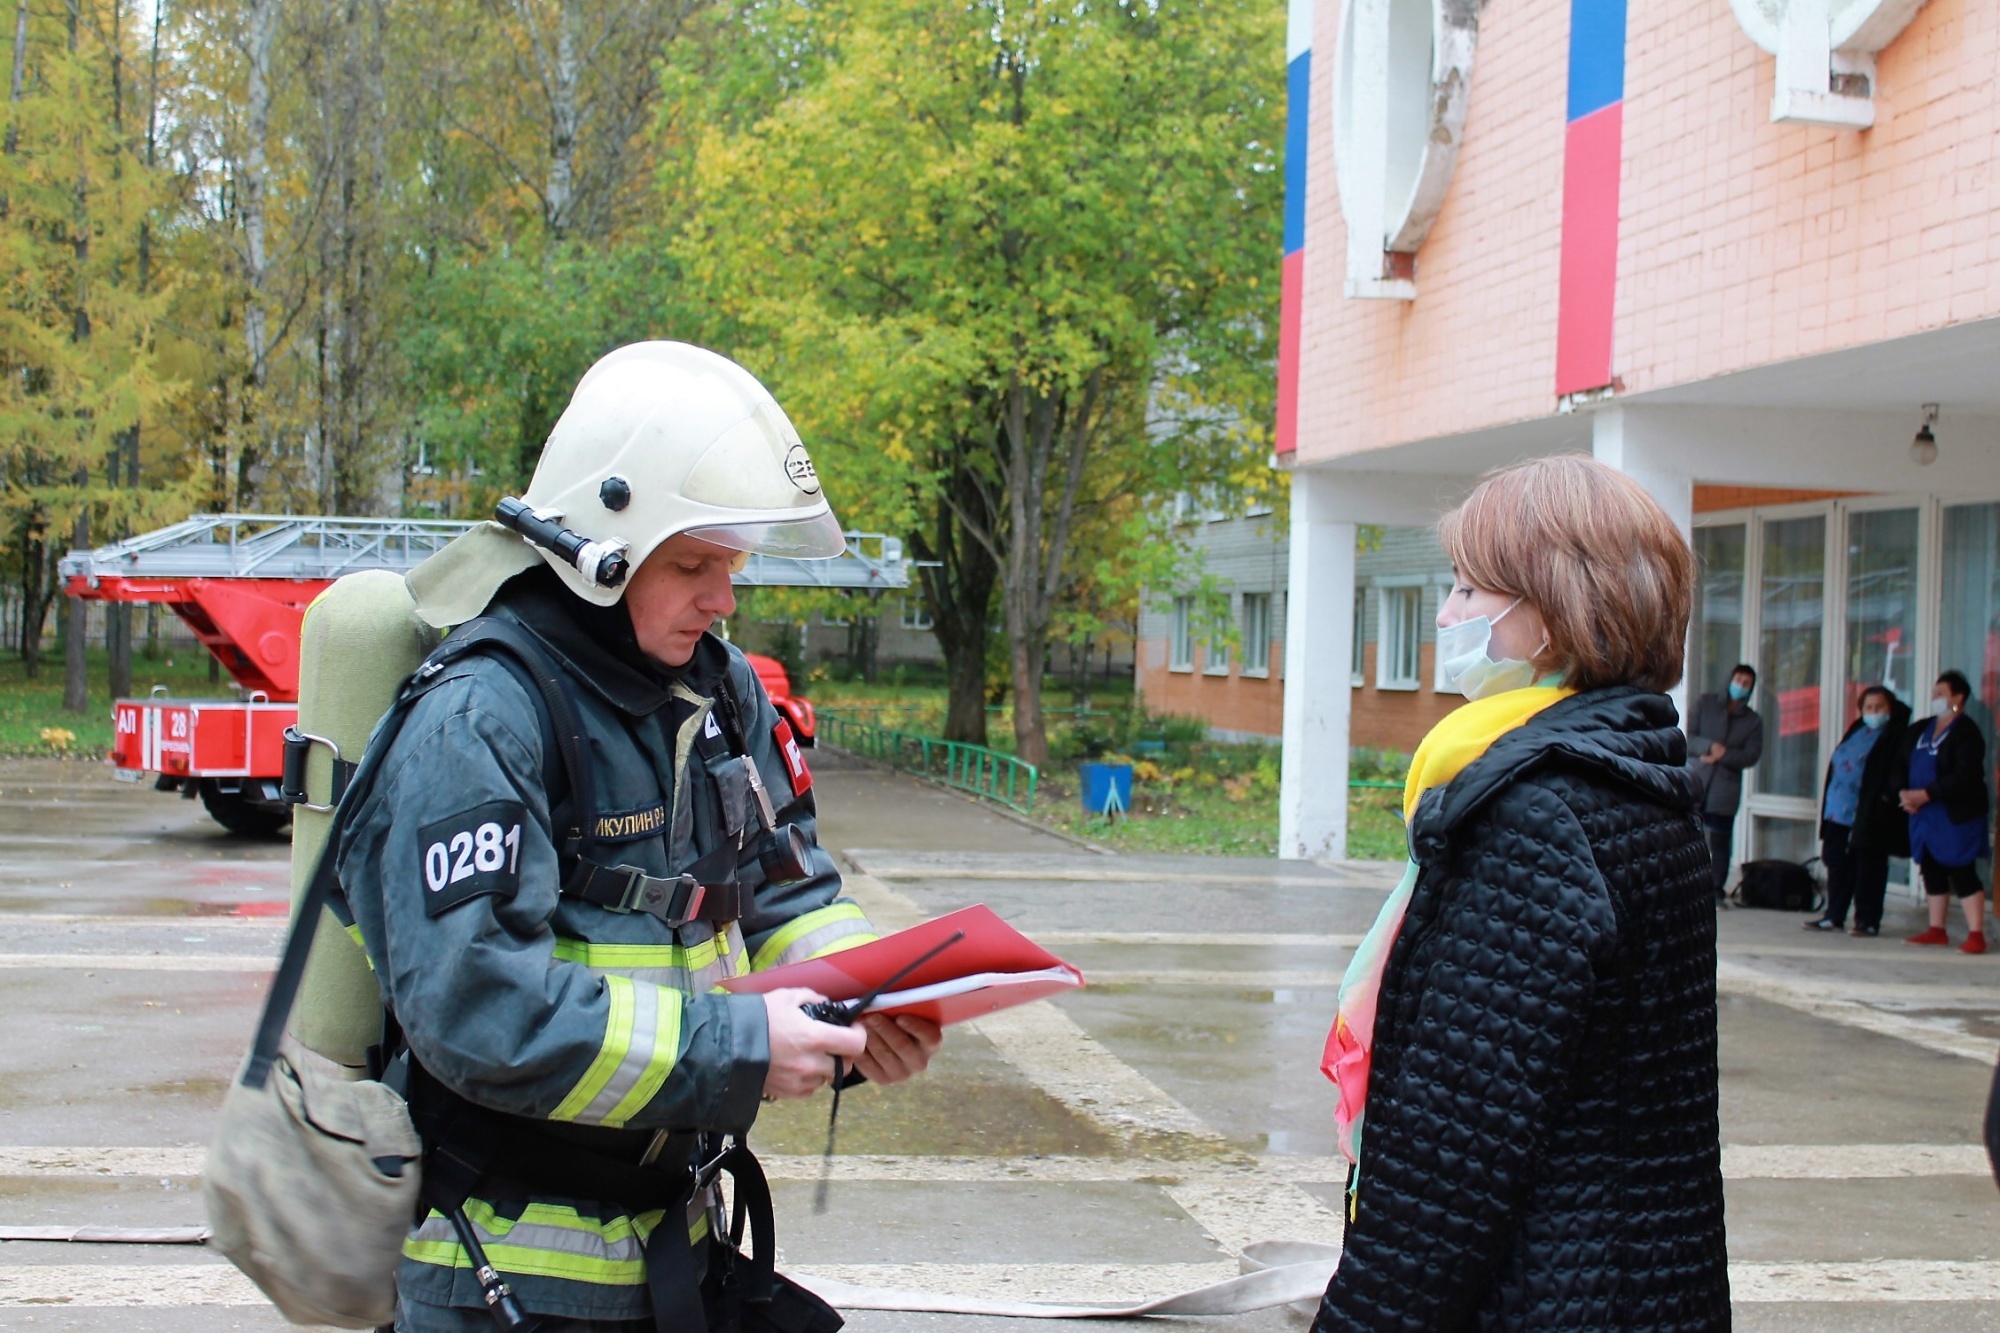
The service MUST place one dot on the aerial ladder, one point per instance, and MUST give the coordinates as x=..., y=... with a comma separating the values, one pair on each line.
x=242, y=583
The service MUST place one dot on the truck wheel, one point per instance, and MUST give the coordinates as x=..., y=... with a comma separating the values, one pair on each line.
x=238, y=813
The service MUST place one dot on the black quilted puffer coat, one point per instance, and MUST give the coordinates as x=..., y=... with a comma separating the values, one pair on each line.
x=1540, y=1149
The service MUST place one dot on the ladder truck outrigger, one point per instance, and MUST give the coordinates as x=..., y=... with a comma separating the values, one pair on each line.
x=242, y=583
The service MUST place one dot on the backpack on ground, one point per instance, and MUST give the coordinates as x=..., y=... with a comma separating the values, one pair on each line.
x=1783, y=886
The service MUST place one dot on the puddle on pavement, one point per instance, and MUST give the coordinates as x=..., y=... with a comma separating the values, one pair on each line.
x=969, y=1103
x=273, y=907
x=209, y=1090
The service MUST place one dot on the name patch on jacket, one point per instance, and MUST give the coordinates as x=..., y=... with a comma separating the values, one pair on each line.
x=627, y=825
x=794, y=757
x=471, y=854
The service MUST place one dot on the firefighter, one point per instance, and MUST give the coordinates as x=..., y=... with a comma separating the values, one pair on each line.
x=557, y=1018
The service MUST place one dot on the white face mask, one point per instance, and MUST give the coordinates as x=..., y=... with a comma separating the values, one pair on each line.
x=1940, y=707
x=1466, y=667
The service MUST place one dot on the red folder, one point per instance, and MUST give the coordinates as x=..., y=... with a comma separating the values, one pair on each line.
x=1001, y=966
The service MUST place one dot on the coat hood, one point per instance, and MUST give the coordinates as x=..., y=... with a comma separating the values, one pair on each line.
x=1623, y=736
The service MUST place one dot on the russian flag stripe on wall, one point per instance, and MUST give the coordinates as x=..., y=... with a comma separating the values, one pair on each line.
x=1298, y=125
x=1593, y=154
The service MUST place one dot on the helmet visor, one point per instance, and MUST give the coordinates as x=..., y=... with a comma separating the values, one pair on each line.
x=815, y=538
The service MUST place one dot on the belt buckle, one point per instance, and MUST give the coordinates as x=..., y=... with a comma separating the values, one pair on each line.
x=655, y=896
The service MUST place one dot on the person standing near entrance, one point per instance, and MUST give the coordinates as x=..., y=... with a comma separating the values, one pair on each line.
x=1943, y=788
x=1725, y=736
x=1861, y=825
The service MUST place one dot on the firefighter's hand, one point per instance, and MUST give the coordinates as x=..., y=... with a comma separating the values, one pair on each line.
x=802, y=1049
x=898, y=1048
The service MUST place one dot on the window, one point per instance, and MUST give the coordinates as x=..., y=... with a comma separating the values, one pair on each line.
x=1215, y=654
x=1256, y=633
x=1397, y=646
x=1180, y=643
x=915, y=614
x=1360, y=637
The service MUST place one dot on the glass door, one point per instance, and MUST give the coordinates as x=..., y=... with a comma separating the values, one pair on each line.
x=1881, y=639
x=1791, y=626
x=1715, y=638
x=1969, y=638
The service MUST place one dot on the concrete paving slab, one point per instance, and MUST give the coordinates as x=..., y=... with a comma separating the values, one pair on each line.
x=1852, y=1151
x=1245, y=1061
x=863, y=804
x=1790, y=1078
x=164, y=1201
x=104, y=1057
x=1816, y=1220
x=970, y=1102
x=1065, y=1223
x=1827, y=1317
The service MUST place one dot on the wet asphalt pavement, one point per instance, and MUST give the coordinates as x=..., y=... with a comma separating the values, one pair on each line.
x=1123, y=1141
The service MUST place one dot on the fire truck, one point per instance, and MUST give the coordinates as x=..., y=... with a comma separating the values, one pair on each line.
x=242, y=583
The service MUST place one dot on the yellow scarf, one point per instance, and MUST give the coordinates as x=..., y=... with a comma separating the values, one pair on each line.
x=1468, y=732
x=1453, y=744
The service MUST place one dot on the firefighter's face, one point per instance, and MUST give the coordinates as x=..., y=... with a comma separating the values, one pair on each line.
x=677, y=594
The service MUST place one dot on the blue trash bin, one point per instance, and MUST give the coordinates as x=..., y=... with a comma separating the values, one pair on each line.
x=1107, y=788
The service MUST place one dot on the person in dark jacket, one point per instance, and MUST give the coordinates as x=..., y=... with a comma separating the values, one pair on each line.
x=1861, y=825
x=1725, y=737
x=1942, y=786
x=1526, y=1046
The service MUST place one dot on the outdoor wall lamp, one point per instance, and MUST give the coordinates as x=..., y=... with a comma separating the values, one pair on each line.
x=1923, y=449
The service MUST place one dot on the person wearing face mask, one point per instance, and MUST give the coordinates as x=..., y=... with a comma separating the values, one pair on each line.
x=1725, y=737
x=1942, y=787
x=1524, y=1049
x=1860, y=824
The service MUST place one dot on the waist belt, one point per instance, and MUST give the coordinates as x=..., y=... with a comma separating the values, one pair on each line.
x=675, y=900
x=471, y=1150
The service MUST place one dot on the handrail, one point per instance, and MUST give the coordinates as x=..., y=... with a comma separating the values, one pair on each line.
x=972, y=768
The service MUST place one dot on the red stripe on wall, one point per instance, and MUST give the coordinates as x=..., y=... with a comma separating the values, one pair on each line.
x=1592, y=155
x=1291, y=294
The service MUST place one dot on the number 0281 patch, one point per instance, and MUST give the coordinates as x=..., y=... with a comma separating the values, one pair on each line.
x=477, y=852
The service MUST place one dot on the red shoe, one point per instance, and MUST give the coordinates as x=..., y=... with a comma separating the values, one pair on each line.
x=1935, y=935
x=1974, y=943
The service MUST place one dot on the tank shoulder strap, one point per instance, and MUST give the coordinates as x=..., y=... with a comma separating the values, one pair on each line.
x=515, y=648
x=708, y=891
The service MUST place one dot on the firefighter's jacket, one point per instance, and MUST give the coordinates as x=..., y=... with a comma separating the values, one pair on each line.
x=543, y=1006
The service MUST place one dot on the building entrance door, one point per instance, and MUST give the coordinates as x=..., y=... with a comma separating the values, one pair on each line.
x=1825, y=599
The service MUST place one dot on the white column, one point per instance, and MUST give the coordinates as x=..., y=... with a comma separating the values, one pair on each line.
x=1319, y=652
x=1643, y=447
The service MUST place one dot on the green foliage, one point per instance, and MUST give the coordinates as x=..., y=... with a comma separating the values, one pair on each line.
x=1006, y=309
x=29, y=707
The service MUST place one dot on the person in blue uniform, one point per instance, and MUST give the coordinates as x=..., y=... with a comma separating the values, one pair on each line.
x=550, y=953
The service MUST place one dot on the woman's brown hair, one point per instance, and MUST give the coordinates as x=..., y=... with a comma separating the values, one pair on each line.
x=1594, y=554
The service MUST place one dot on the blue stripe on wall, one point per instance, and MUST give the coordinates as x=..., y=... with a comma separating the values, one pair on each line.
x=1596, y=55
x=1298, y=121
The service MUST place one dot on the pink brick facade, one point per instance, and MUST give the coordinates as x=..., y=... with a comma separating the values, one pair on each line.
x=1789, y=303
x=1742, y=242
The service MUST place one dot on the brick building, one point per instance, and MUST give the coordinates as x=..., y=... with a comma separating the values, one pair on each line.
x=1239, y=691
x=1743, y=251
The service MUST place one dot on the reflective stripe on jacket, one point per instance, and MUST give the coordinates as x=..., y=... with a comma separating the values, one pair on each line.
x=536, y=1005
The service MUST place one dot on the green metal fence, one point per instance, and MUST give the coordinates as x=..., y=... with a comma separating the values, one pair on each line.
x=974, y=768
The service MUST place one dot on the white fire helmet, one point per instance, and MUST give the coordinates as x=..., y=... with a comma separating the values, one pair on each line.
x=662, y=438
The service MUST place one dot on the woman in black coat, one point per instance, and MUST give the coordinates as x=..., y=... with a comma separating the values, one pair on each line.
x=1528, y=1082
x=1861, y=824
x=1943, y=788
